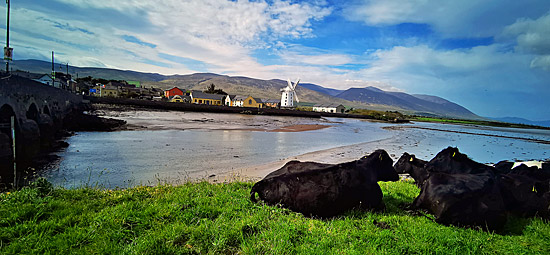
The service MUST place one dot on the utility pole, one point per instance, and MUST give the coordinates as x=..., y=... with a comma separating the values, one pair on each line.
x=8, y=52
x=53, y=72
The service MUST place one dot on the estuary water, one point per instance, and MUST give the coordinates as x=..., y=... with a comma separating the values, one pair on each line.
x=144, y=157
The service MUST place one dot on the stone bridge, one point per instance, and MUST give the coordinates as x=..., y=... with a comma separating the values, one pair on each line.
x=38, y=110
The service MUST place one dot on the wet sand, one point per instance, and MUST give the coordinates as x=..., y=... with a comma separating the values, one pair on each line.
x=175, y=120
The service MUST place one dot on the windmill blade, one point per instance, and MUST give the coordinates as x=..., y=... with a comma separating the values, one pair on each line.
x=289, y=83
x=296, y=96
x=296, y=83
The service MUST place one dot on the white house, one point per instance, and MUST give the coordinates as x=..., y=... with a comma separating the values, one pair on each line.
x=333, y=108
x=45, y=79
x=229, y=100
x=238, y=101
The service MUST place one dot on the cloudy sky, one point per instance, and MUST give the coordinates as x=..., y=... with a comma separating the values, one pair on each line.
x=491, y=56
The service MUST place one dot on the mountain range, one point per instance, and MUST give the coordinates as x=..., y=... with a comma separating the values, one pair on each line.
x=369, y=97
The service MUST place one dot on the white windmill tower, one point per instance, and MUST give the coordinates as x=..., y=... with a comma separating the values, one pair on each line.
x=289, y=94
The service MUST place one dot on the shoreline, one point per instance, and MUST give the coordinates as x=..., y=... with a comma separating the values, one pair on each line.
x=144, y=119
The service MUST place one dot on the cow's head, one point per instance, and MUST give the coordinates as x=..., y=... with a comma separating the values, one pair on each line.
x=380, y=164
x=404, y=164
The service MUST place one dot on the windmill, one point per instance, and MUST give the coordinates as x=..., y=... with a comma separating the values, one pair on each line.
x=289, y=94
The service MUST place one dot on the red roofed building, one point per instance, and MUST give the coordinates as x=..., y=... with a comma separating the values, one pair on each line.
x=172, y=92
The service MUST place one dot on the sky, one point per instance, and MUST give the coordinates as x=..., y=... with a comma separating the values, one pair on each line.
x=490, y=56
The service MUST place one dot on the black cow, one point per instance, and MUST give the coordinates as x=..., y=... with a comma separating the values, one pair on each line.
x=532, y=172
x=463, y=200
x=327, y=190
x=409, y=164
x=523, y=195
x=460, y=191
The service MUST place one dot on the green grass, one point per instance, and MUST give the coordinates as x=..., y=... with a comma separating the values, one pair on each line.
x=379, y=115
x=204, y=218
x=475, y=122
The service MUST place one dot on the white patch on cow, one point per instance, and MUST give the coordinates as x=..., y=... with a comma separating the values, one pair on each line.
x=529, y=163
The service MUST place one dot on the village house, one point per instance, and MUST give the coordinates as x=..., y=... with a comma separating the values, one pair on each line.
x=180, y=99
x=228, y=100
x=238, y=101
x=45, y=79
x=333, y=108
x=253, y=102
x=106, y=91
x=271, y=103
x=172, y=92
x=198, y=97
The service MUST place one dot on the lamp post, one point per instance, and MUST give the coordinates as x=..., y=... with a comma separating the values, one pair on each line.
x=7, y=50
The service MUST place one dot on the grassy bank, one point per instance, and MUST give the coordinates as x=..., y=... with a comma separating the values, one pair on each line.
x=198, y=218
x=475, y=122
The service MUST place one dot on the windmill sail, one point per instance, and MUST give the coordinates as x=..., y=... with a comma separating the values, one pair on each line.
x=289, y=94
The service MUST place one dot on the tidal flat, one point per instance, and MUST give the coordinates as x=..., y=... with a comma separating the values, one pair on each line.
x=169, y=147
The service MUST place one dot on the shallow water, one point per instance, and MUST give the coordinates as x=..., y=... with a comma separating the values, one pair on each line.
x=128, y=158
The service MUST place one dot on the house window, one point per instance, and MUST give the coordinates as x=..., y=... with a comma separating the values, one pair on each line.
x=249, y=101
x=200, y=101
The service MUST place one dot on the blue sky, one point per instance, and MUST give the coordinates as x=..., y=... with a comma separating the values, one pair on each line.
x=491, y=56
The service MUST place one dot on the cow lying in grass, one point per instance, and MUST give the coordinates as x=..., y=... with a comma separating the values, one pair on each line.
x=327, y=190
x=460, y=191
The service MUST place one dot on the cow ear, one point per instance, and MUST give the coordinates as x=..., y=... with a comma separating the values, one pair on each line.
x=412, y=158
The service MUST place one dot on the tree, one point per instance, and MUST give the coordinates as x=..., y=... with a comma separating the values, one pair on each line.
x=211, y=89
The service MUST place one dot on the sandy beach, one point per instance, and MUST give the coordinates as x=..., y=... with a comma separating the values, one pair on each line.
x=138, y=119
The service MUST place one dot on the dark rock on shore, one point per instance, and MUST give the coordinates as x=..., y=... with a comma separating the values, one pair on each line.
x=86, y=122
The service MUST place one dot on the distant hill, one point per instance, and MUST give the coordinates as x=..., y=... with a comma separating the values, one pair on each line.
x=369, y=97
x=516, y=120
x=417, y=104
x=43, y=67
x=248, y=86
x=328, y=91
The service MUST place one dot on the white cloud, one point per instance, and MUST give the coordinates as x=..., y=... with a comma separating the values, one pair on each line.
x=532, y=36
x=465, y=18
x=223, y=21
x=293, y=54
x=219, y=33
x=486, y=79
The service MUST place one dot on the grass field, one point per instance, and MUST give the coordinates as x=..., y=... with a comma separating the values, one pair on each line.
x=475, y=122
x=204, y=218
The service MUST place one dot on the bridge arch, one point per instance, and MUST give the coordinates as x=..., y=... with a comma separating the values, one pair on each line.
x=6, y=151
x=6, y=111
x=32, y=112
x=46, y=110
